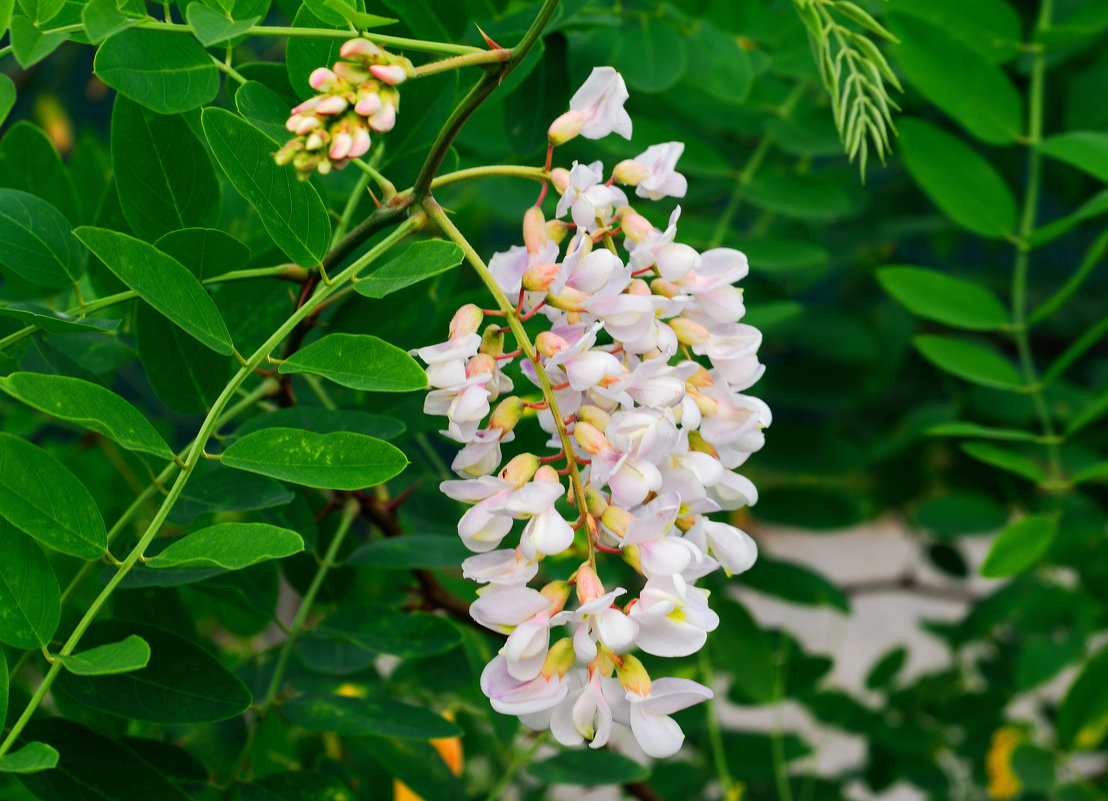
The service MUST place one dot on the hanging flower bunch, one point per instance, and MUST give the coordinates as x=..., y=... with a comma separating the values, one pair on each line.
x=649, y=436
x=356, y=96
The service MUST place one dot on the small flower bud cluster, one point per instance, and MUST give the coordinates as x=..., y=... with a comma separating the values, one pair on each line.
x=644, y=361
x=356, y=96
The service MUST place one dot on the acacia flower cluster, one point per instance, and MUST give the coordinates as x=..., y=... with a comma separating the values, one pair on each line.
x=649, y=433
x=356, y=96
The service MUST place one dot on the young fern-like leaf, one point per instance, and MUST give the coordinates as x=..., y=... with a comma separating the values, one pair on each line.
x=855, y=74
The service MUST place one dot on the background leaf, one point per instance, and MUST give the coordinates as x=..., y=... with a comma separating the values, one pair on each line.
x=934, y=296
x=231, y=546
x=585, y=766
x=166, y=72
x=29, y=594
x=37, y=245
x=1086, y=150
x=969, y=361
x=418, y=262
x=1019, y=546
x=357, y=717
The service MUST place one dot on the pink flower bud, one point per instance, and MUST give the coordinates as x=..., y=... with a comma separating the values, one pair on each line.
x=481, y=364
x=559, y=176
x=369, y=103
x=360, y=145
x=384, y=119
x=590, y=438
x=507, y=414
x=332, y=104
x=307, y=105
x=667, y=289
x=689, y=332
x=639, y=287
x=566, y=127
x=548, y=343
x=616, y=520
x=540, y=277
x=548, y=474
x=466, y=321
x=635, y=226
x=589, y=587
x=534, y=229
x=306, y=125
x=629, y=172
x=359, y=49
x=293, y=123
x=323, y=80
x=340, y=145
x=392, y=74
x=558, y=593
x=594, y=415
x=520, y=469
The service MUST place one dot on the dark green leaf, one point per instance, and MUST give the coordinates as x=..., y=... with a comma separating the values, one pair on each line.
x=224, y=490
x=991, y=27
x=1004, y=459
x=31, y=44
x=1086, y=150
x=304, y=55
x=31, y=758
x=290, y=210
x=163, y=174
x=265, y=109
x=232, y=546
x=163, y=71
x=132, y=653
x=1019, y=546
x=3, y=684
x=7, y=97
x=39, y=496
x=329, y=461
x=182, y=683
x=211, y=27
x=935, y=296
x=161, y=281
x=410, y=551
x=30, y=163
x=206, y=252
x=794, y=583
x=418, y=262
x=37, y=244
x=958, y=180
x=588, y=767
x=358, y=361
x=948, y=559
x=29, y=594
x=386, y=631
x=969, y=361
x=88, y=405
x=326, y=421
x=104, y=18
x=419, y=766
x=355, y=717
x=658, y=57
x=813, y=196
x=93, y=768
x=1083, y=716
x=885, y=670
x=1034, y=767
x=6, y=8
x=185, y=374
x=173, y=762
x=959, y=512
x=54, y=322
x=297, y=785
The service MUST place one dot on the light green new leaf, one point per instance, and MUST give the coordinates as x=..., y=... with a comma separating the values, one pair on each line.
x=89, y=405
x=163, y=175
x=30, y=604
x=161, y=281
x=103, y=19
x=163, y=71
x=340, y=460
x=39, y=496
x=359, y=19
x=231, y=546
x=957, y=179
x=969, y=361
x=1086, y=150
x=1019, y=546
x=958, y=79
x=7, y=96
x=30, y=44
x=290, y=210
x=935, y=296
x=41, y=11
x=37, y=245
x=1083, y=715
x=211, y=27
x=358, y=361
x=6, y=8
x=356, y=717
x=420, y=261
x=130, y=654
x=31, y=758
x=1004, y=459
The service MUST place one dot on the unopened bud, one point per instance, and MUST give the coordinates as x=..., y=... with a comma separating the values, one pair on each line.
x=559, y=176
x=632, y=556
x=466, y=321
x=316, y=140
x=689, y=332
x=492, y=341
x=685, y=523
x=556, y=231
x=384, y=119
x=352, y=73
x=629, y=172
x=368, y=103
x=632, y=675
x=635, y=226
x=589, y=587
x=481, y=364
x=548, y=343
x=288, y=152
x=639, y=287
x=616, y=520
x=540, y=277
x=557, y=592
x=507, y=414
x=566, y=127
x=701, y=378
x=595, y=501
x=534, y=229
x=667, y=289
x=332, y=104
x=590, y=438
x=700, y=445
x=307, y=124
x=520, y=469
x=360, y=48
x=323, y=80
x=559, y=659
x=547, y=473
x=594, y=415
x=341, y=143
x=569, y=300
x=392, y=74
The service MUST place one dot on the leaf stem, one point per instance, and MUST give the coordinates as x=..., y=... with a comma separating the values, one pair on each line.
x=456, y=62
x=715, y=733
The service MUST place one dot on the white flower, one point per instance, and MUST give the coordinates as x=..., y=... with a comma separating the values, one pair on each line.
x=600, y=99
x=510, y=696
x=673, y=617
x=656, y=732
x=588, y=199
x=661, y=177
x=505, y=566
x=733, y=547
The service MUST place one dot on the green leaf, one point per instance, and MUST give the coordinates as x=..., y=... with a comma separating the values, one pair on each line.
x=885, y=670
x=991, y=27
x=359, y=19
x=93, y=768
x=964, y=186
x=386, y=631
x=290, y=210
x=1019, y=546
x=30, y=163
x=358, y=361
x=935, y=296
x=29, y=594
x=165, y=72
x=6, y=8
x=211, y=27
x=3, y=685
x=1042, y=657
x=419, y=765
x=206, y=252
x=718, y=65
x=41, y=11
x=296, y=785
x=411, y=551
x=743, y=639
x=963, y=429
x=163, y=174
x=185, y=374
x=31, y=758
x=958, y=80
x=326, y=421
x=39, y=496
x=231, y=546
x=340, y=460
x=1093, y=472
x=304, y=55
x=658, y=56
x=1083, y=715
x=265, y=109
x=37, y=244
x=356, y=717
x=794, y=583
x=1034, y=767
x=30, y=44
x=132, y=653
x=418, y=262
x=181, y=683
x=89, y=405
x=53, y=322
x=104, y=18
x=223, y=490
x=969, y=361
x=161, y=281
x=814, y=196
x=1085, y=150
x=7, y=97
x=1004, y=459
x=957, y=513
x=588, y=767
